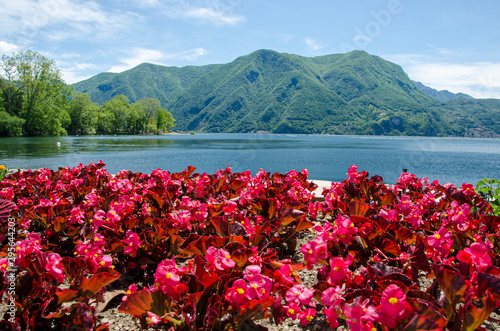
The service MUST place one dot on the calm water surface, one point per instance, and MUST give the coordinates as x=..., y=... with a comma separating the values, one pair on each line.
x=449, y=160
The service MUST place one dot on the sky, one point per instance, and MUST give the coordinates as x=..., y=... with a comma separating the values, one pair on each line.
x=445, y=44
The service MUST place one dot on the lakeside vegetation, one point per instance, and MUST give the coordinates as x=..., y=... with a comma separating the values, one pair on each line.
x=35, y=101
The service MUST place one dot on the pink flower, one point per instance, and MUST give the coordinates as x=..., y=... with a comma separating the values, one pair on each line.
x=346, y=229
x=459, y=215
x=132, y=243
x=4, y=264
x=219, y=259
x=339, y=269
x=168, y=275
x=332, y=297
x=98, y=240
x=292, y=310
x=263, y=285
x=477, y=255
x=393, y=307
x=405, y=205
x=153, y=318
x=299, y=294
x=439, y=238
x=77, y=216
x=468, y=190
x=283, y=275
x=240, y=293
x=307, y=316
x=414, y=218
x=314, y=251
x=331, y=317
x=54, y=266
x=360, y=316
x=130, y=290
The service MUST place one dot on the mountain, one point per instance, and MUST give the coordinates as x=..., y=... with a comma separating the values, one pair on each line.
x=352, y=93
x=443, y=95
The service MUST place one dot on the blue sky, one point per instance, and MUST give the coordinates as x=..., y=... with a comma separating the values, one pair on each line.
x=453, y=45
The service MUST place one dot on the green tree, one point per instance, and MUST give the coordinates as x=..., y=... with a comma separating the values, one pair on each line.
x=119, y=107
x=45, y=95
x=146, y=113
x=10, y=125
x=164, y=120
x=84, y=114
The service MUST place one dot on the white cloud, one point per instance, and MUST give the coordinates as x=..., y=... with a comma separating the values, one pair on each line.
x=60, y=19
x=8, y=48
x=478, y=79
x=142, y=55
x=209, y=15
x=205, y=11
x=313, y=45
x=362, y=38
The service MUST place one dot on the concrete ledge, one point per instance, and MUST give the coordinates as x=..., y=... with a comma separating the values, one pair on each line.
x=322, y=184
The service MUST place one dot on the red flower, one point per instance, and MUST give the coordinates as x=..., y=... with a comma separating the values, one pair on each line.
x=54, y=267
x=360, y=316
x=314, y=251
x=292, y=310
x=240, y=293
x=132, y=243
x=477, y=255
x=339, y=269
x=299, y=294
x=307, y=316
x=219, y=259
x=393, y=307
x=168, y=275
x=332, y=297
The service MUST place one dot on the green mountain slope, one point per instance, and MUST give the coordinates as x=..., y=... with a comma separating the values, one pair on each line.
x=443, y=95
x=352, y=93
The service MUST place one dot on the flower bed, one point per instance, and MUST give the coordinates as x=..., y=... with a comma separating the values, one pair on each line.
x=191, y=251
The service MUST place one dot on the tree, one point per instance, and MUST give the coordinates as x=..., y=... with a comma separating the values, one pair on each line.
x=145, y=110
x=164, y=120
x=119, y=107
x=84, y=114
x=44, y=93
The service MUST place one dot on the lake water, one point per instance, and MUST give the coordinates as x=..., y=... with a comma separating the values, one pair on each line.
x=449, y=160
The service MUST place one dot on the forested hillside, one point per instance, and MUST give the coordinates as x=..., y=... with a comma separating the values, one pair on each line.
x=352, y=93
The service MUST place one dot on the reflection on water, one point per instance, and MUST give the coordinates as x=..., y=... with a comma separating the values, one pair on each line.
x=454, y=160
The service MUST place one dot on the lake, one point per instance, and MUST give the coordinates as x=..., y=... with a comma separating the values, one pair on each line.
x=449, y=160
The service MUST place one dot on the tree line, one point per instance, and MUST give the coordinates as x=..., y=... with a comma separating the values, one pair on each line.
x=35, y=101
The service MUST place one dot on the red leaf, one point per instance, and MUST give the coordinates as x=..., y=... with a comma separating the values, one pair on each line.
x=451, y=282
x=254, y=308
x=237, y=184
x=421, y=323
x=303, y=224
x=198, y=245
x=474, y=317
x=391, y=247
x=241, y=256
x=6, y=207
x=221, y=226
x=290, y=215
x=66, y=295
x=91, y=286
x=358, y=208
x=490, y=283
x=137, y=303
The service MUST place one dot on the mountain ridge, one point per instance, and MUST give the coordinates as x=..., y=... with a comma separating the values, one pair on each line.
x=351, y=93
